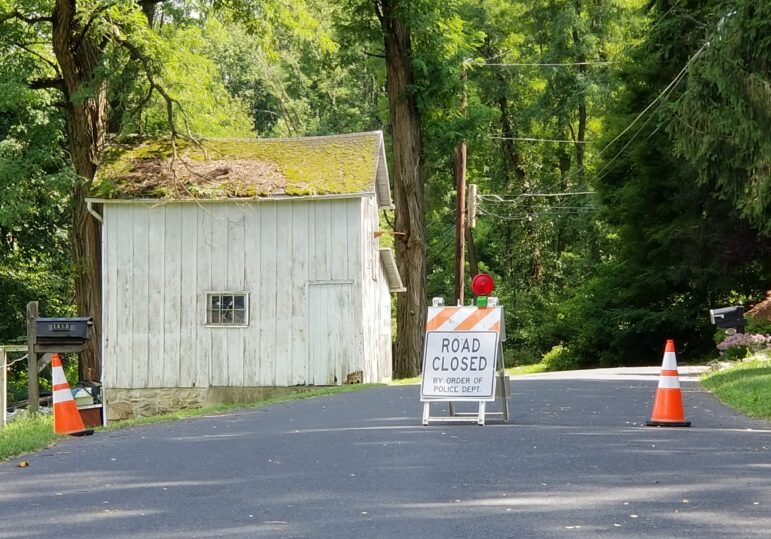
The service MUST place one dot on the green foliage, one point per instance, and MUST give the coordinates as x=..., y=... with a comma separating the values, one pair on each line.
x=757, y=325
x=735, y=353
x=26, y=434
x=561, y=358
x=745, y=386
x=724, y=118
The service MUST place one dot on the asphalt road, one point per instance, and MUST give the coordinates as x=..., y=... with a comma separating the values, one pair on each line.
x=574, y=461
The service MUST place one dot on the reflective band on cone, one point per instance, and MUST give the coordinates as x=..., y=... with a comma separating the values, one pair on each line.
x=668, y=405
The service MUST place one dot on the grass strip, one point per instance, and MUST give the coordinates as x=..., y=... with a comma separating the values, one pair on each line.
x=26, y=434
x=31, y=433
x=745, y=387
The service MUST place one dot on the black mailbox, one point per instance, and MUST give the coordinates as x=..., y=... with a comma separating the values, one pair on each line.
x=63, y=330
x=728, y=317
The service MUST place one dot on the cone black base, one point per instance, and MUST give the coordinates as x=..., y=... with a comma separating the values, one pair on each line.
x=88, y=432
x=668, y=423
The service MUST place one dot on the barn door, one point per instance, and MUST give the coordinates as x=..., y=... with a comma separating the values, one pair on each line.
x=331, y=337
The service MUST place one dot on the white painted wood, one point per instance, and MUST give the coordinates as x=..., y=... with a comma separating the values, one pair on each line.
x=338, y=250
x=171, y=296
x=329, y=324
x=190, y=317
x=301, y=233
x=235, y=282
x=138, y=302
x=266, y=299
x=156, y=301
x=160, y=262
x=252, y=283
x=218, y=253
x=109, y=299
x=203, y=263
x=284, y=283
x=321, y=247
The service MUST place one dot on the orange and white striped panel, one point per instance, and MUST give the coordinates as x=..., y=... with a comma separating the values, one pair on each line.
x=466, y=318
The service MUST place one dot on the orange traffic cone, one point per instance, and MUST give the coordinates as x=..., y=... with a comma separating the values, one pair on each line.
x=668, y=405
x=67, y=419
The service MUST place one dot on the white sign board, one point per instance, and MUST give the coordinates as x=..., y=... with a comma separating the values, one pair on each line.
x=459, y=366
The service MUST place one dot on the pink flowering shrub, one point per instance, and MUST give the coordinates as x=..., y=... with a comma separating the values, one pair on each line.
x=739, y=345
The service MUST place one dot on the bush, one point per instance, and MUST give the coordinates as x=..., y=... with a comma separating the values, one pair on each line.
x=756, y=325
x=562, y=358
x=740, y=345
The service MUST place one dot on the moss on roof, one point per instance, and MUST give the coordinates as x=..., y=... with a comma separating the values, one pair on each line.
x=228, y=168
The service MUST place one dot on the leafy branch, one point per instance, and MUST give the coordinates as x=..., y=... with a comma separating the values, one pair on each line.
x=29, y=19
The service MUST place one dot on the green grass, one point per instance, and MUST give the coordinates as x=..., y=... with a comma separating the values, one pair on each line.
x=26, y=434
x=527, y=369
x=745, y=387
x=33, y=433
x=511, y=371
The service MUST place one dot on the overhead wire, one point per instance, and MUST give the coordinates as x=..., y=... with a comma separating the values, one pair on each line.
x=664, y=93
x=623, y=132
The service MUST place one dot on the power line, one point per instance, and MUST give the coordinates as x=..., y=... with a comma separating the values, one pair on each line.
x=669, y=88
x=546, y=64
x=531, y=139
x=504, y=199
x=662, y=94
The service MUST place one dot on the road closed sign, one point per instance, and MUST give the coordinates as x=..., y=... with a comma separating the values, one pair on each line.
x=459, y=365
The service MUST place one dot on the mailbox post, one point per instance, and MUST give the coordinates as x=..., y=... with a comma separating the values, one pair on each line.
x=51, y=335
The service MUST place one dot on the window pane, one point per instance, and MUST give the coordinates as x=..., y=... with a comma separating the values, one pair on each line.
x=227, y=309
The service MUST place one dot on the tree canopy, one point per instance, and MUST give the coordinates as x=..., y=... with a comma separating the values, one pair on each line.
x=620, y=148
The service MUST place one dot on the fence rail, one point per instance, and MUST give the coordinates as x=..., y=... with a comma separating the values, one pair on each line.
x=4, y=349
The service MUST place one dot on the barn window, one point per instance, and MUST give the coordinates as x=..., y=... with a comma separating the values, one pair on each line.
x=227, y=309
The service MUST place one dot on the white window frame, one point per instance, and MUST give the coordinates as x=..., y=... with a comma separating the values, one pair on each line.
x=208, y=310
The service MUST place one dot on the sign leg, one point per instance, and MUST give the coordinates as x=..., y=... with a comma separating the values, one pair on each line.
x=481, y=419
x=426, y=413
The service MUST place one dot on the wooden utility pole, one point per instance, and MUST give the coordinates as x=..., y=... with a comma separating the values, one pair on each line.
x=33, y=391
x=460, y=203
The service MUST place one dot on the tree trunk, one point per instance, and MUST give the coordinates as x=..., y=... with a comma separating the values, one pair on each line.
x=86, y=119
x=408, y=188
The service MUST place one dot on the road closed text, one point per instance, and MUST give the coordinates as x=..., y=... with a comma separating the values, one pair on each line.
x=460, y=354
x=459, y=365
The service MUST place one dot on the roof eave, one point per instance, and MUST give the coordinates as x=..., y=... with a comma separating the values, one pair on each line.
x=382, y=183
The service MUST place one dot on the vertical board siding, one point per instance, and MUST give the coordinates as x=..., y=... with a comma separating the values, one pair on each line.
x=235, y=282
x=170, y=295
x=219, y=249
x=252, y=284
x=314, y=309
x=138, y=298
x=190, y=317
x=329, y=323
x=201, y=258
x=156, y=290
x=301, y=242
x=320, y=248
x=266, y=299
x=284, y=282
x=124, y=352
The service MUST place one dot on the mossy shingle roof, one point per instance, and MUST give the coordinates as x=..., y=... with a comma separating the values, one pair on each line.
x=229, y=168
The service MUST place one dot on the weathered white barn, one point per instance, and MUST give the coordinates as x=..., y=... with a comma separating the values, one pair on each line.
x=234, y=265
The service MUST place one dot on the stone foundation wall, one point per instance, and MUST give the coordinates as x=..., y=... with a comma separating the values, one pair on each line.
x=129, y=403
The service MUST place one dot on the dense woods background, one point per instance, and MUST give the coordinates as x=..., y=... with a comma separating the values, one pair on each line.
x=621, y=148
